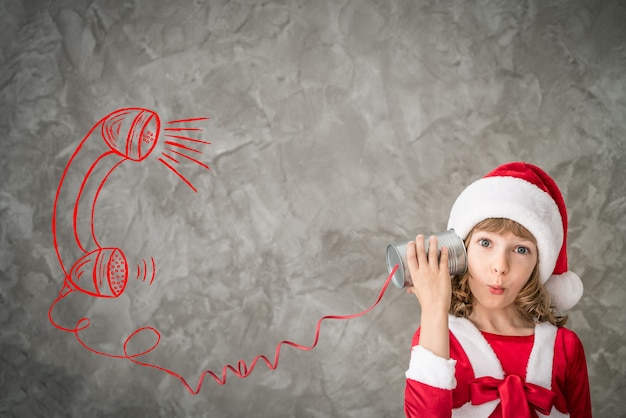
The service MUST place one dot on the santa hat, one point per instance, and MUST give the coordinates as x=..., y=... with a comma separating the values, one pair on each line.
x=526, y=194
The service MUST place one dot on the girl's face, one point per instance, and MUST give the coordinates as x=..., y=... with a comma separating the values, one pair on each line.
x=499, y=266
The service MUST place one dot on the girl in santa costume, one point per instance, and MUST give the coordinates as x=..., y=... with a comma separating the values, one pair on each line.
x=491, y=342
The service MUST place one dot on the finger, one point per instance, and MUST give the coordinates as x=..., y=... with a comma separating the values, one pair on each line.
x=411, y=256
x=443, y=260
x=432, y=251
x=420, y=250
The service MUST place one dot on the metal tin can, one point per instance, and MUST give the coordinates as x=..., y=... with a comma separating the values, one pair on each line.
x=457, y=257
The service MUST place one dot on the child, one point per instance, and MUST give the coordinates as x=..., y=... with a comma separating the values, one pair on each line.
x=491, y=342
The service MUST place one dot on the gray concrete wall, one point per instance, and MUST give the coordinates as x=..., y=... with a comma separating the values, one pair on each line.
x=336, y=127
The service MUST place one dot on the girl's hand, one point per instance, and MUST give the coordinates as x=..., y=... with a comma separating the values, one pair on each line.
x=430, y=275
x=432, y=286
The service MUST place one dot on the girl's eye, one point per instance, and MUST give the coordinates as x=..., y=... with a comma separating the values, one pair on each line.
x=522, y=250
x=483, y=242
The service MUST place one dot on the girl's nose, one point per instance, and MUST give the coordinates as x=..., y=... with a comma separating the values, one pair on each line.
x=500, y=264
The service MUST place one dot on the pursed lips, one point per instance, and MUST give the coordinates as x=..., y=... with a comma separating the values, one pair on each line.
x=496, y=290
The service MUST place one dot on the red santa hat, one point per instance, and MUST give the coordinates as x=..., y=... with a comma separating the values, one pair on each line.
x=526, y=194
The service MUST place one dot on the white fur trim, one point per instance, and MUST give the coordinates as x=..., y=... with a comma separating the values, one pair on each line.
x=475, y=411
x=480, y=354
x=484, y=410
x=483, y=360
x=516, y=199
x=539, y=369
x=555, y=413
x=430, y=369
x=565, y=290
x=485, y=363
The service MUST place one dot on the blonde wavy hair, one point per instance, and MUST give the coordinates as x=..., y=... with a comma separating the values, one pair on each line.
x=532, y=302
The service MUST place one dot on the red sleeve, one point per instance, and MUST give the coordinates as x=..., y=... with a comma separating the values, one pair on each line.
x=576, y=380
x=423, y=400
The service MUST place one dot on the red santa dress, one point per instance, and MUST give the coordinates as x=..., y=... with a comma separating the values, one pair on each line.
x=488, y=375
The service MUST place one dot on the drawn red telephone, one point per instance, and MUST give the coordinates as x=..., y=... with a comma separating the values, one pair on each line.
x=130, y=135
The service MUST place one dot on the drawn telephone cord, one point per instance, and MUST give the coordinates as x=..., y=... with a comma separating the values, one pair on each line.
x=131, y=135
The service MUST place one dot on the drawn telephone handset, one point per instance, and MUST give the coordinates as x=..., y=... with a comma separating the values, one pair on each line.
x=129, y=135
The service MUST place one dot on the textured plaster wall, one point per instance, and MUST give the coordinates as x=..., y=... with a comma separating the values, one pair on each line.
x=336, y=127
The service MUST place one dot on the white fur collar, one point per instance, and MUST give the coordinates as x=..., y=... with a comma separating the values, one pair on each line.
x=485, y=363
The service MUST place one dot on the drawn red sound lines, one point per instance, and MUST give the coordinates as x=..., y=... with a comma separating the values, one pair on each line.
x=176, y=144
x=144, y=272
x=170, y=158
x=200, y=163
x=181, y=129
x=186, y=138
x=168, y=151
x=183, y=178
x=188, y=120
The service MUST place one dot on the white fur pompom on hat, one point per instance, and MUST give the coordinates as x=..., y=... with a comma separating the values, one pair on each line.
x=526, y=194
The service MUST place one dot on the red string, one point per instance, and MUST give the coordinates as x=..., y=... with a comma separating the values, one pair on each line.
x=241, y=370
